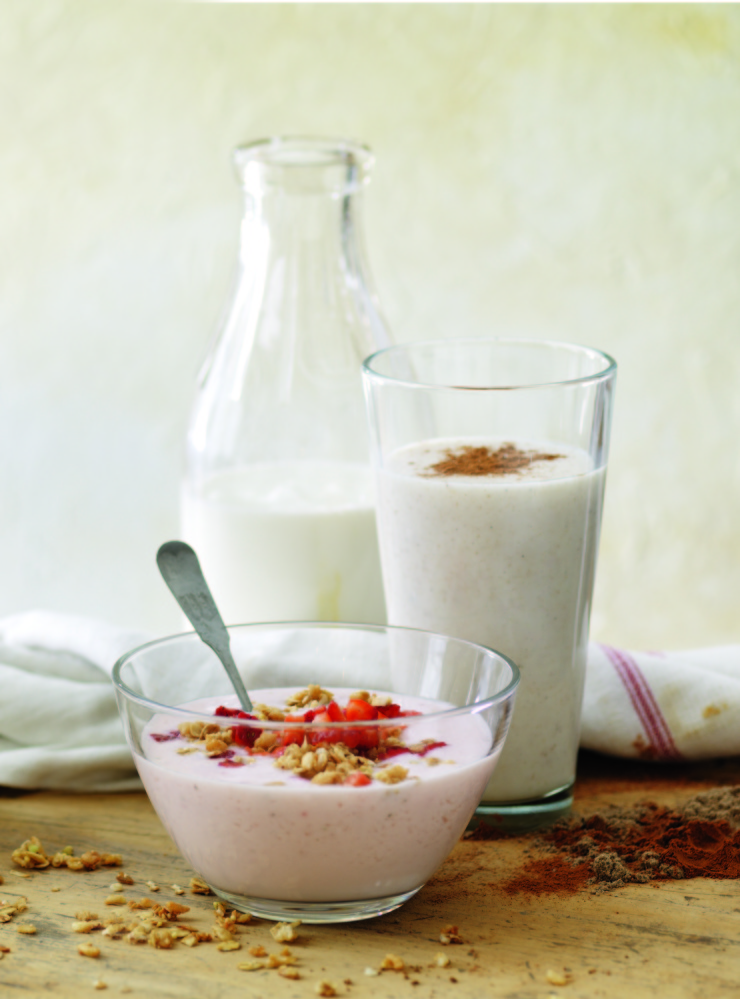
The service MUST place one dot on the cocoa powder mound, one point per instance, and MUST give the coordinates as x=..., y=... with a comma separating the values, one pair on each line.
x=646, y=842
x=722, y=803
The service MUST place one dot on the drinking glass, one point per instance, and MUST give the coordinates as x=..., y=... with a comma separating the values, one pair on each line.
x=490, y=459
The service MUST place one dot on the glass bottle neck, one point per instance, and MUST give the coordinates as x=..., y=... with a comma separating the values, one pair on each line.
x=282, y=381
x=285, y=225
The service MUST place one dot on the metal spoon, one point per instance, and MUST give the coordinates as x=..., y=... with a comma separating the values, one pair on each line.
x=181, y=570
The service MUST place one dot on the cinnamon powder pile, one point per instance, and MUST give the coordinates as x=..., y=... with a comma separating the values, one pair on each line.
x=469, y=460
x=648, y=842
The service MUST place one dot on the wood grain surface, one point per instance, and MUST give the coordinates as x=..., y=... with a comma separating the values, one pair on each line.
x=670, y=939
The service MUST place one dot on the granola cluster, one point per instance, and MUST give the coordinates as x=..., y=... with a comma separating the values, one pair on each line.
x=31, y=855
x=311, y=698
x=328, y=764
x=9, y=910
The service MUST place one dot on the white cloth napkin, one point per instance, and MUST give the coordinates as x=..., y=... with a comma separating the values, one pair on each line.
x=59, y=725
x=662, y=705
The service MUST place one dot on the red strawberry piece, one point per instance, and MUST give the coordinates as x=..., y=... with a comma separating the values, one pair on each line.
x=390, y=711
x=334, y=711
x=357, y=779
x=325, y=734
x=245, y=735
x=224, y=712
x=359, y=710
x=291, y=735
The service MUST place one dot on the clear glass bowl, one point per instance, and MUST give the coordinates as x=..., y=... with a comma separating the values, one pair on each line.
x=280, y=845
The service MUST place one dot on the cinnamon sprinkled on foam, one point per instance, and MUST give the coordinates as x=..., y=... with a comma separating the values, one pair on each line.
x=470, y=460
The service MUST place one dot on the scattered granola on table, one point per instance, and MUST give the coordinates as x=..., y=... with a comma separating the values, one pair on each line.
x=558, y=977
x=9, y=910
x=450, y=935
x=32, y=856
x=285, y=932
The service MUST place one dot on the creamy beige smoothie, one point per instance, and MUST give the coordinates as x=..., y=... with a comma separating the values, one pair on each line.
x=252, y=826
x=495, y=542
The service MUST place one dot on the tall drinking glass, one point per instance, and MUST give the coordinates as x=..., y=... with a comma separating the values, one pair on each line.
x=491, y=461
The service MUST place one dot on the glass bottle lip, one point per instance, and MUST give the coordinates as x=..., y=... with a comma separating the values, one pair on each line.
x=304, y=164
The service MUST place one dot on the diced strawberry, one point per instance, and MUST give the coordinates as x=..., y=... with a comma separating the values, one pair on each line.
x=292, y=735
x=334, y=711
x=367, y=738
x=224, y=712
x=389, y=711
x=326, y=734
x=359, y=710
x=244, y=735
x=357, y=779
x=351, y=737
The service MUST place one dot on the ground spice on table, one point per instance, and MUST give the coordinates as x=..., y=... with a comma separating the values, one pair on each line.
x=646, y=842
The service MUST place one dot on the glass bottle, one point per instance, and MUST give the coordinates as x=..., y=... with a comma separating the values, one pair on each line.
x=278, y=498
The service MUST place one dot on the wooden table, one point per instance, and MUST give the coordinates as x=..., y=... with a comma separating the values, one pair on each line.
x=671, y=939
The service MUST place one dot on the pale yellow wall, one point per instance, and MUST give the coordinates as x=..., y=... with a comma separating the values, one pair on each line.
x=572, y=171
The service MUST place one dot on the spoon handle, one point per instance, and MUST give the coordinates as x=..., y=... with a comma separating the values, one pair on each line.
x=181, y=570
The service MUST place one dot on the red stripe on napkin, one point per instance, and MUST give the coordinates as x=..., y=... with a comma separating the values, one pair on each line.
x=660, y=741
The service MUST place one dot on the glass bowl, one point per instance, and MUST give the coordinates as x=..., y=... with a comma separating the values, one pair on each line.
x=338, y=812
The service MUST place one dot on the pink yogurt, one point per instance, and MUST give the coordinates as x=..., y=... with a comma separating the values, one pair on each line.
x=263, y=832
